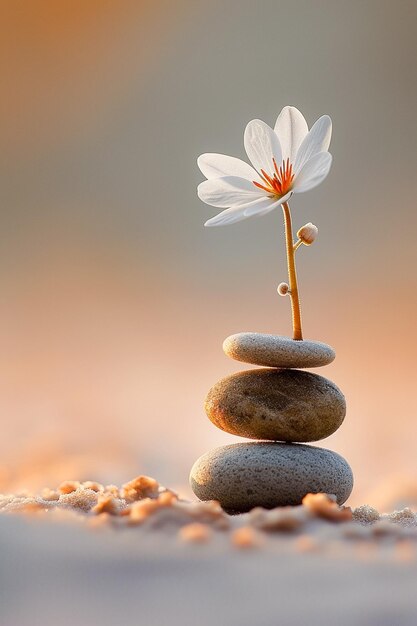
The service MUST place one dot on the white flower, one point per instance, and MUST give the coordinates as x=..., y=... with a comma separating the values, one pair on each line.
x=289, y=159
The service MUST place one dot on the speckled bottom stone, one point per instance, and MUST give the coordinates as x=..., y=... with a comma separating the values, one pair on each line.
x=242, y=476
x=277, y=351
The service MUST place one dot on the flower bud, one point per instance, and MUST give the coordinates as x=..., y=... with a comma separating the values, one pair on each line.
x=308, y=233
x=283, y=289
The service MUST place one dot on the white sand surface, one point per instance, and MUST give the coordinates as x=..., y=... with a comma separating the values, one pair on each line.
x=64, y=565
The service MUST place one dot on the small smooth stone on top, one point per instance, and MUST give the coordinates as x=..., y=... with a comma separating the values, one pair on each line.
x=276, y=404
x=242, y=476
x=276, y=351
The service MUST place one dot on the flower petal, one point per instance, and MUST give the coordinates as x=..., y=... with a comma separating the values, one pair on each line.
x=229, y=216
x=261, y=206
x=313, y=172
x=218, y=165
x=317, y=140
x=291, y=129
x=228, y=191
x=262, y=145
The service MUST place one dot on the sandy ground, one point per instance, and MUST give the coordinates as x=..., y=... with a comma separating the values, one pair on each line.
x=155, y=560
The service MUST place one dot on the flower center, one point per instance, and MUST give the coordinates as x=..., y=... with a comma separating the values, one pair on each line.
x=280, y=182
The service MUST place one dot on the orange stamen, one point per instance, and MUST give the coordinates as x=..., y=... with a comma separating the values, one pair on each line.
x=281, y=180
x=267, y=178
x=267, y=189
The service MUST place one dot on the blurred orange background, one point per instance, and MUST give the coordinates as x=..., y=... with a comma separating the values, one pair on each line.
x=115, y=299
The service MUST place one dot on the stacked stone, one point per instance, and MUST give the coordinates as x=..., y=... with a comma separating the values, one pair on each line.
x=281, y=407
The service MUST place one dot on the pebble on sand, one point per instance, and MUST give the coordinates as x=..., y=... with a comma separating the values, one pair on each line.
x=242, y=476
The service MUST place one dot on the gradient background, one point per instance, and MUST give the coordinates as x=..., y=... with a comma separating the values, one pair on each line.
x=114, y=298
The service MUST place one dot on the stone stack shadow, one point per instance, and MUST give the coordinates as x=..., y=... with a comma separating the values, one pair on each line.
x=282, y=408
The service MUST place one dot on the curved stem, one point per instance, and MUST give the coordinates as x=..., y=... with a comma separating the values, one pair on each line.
x=292, y=274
